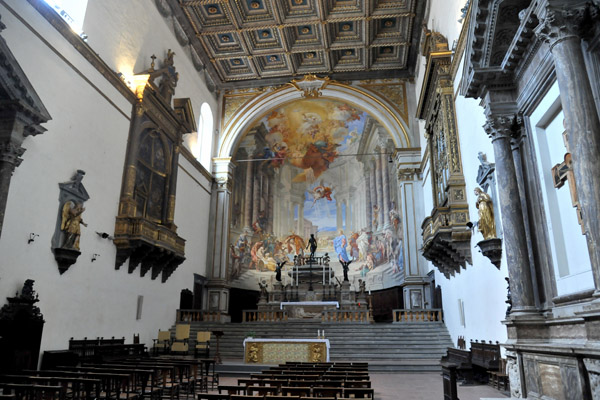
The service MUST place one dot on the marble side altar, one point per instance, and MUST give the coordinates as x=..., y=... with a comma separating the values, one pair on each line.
x=278, y=351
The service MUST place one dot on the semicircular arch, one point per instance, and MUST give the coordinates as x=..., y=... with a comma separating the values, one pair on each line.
x=255, y=109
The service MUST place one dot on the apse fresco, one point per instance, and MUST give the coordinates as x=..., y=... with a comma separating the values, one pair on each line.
x=315, y=166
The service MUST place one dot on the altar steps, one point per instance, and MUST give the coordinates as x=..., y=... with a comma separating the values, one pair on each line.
x=408, y=347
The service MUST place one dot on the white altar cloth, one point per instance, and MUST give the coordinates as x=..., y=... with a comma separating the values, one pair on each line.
x=309, y=303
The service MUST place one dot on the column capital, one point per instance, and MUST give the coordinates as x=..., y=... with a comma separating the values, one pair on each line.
x=11, y=153
x=223, y=171
x=559, y=24
x=499, y=126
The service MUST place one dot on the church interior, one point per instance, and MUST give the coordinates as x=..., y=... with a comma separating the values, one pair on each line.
x=396, y=192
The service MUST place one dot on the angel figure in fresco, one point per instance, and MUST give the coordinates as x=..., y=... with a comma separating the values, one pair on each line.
x=70, y=224
x=339, y=244
x=315, y=161
x=363, y=245
x=321, y=192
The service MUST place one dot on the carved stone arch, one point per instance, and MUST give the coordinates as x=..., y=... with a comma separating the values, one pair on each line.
x=372, y=103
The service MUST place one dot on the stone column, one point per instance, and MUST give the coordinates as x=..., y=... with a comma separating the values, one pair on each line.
x=379, y=190
x=255, y=196
x=560, y=28
x=338, y=215
x=248, y=194
x=301, y=219
x=218, y=288
x=386, y=188
x=499, y=128
x=368, y=205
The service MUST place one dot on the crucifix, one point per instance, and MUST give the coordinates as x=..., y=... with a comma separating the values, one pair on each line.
x=563, y=173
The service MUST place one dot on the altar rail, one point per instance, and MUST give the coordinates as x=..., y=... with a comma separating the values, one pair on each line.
x=198, y=316
x=264, y=316
x=346, y=316
x=426, y=315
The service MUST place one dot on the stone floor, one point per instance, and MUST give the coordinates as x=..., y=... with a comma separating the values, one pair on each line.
x=422, y=386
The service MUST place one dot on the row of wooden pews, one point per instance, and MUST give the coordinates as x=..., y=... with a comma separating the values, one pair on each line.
x=481, y=364
x=142, y=378
x=295, y=381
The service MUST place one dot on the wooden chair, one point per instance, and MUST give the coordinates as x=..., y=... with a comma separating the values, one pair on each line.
x=500, y=377
x=357, y=384
x=162, y=342
x=246, y=397
x=282, y=397
x=202, y=344
x=182, y=336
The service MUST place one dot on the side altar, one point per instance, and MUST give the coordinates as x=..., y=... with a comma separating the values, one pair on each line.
x=314, y=292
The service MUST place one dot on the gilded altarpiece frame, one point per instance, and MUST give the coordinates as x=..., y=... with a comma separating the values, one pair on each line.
x=446, y=237
x=145, y=231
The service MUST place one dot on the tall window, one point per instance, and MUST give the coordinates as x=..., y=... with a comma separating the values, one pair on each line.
x=72, y=11
x=205, y=135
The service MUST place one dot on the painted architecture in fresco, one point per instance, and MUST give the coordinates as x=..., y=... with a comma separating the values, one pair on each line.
x=316, y=166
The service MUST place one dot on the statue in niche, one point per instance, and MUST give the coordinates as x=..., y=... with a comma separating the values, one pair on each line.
x=70, y=224
x=486, y=224
x=67, y=231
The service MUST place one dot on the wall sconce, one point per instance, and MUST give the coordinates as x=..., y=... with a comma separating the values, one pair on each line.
x=32, y=237
x=104, y=235
x=95, y=257
x=390, y=159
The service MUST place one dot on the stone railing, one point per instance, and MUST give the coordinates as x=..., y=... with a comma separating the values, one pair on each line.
x=264, y=316
x=346, y=316
x=416, y=315
x=198, y=316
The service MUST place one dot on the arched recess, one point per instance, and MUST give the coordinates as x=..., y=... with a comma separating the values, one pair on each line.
x=370, y=102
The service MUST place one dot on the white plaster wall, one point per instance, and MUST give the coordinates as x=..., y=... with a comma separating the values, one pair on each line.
x=125, y=33
x=88, y=132
x=481, y=287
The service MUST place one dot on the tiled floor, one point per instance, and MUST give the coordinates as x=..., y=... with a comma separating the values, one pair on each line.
x=424, y=386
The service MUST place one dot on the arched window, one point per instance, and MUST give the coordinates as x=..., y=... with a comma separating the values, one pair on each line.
x=205, y=135
x=72, y=11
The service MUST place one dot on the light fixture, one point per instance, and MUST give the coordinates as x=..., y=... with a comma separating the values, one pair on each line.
x=390, y=159
x=95, y=257
x=32, y=237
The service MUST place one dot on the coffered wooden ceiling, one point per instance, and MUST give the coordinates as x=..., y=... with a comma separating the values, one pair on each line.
x=263, y=42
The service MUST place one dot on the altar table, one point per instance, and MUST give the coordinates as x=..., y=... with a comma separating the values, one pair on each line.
x=279, y=351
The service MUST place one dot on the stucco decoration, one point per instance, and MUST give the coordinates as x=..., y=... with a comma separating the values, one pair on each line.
x=514, y=375
x=315, y=166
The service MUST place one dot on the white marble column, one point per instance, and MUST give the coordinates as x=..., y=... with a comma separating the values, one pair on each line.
x=560, y=28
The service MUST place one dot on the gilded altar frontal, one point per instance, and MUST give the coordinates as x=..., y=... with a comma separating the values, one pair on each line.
x=316, y=166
